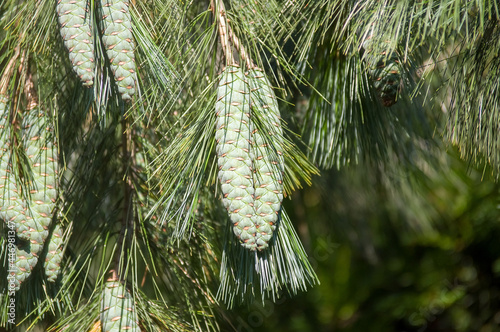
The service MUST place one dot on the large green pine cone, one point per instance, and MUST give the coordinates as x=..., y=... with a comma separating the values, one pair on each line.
x=8, y=189
x=24, y=263
x=117, y=309
x=233, y=138
x=268, y=158
x=42, y=154
x=76, y=32
x=384, y=71
x=52, y=264
x=117, y=38
x=12, y=209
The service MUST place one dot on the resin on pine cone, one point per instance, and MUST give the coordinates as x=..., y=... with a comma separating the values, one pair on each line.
x=235, y=161
x=116, y=25
x=74, y=18
x=117, y=309
x=268, y=158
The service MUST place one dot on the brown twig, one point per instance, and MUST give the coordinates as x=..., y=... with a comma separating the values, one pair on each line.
x=228, y=37
x=9, y=69
x=219, y=13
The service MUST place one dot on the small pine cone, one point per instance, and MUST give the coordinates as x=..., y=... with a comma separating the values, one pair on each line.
x=76, y=31
x=268, y=158
x=52, y=264
x=42, y=153
x=384, y=72
x=233, y=138
x=117, y=309
x=24, y=263
x=117, y=38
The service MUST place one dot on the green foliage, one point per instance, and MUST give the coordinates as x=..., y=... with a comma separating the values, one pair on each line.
x=474, y=116
x=414, y=259
x=183, y=103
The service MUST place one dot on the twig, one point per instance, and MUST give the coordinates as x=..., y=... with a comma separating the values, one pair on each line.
x=228, y=37
x=127, y=205
x=9, y=69
x=219, y=13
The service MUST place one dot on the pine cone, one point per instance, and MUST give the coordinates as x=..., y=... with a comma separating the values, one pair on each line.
x=76, y=32
x=52, y=264
x=268, y=159
x=116, y=25
x=117, y=309
x=11, y=205
x=42, y=154
x=384, y=71
x=24, y=263
x=13, y=210
x=233, y=137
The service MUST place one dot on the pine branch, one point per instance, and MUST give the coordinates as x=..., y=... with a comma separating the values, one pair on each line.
x=473, y=112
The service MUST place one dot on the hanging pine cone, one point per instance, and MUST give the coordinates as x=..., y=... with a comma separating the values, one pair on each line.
x=384, y=71
x=13, y=210
x=52, y=264
x=117, y=38
x=76, y=31
x=268, y=158
x=117, y=309
x=42, y=153
x=233, y=138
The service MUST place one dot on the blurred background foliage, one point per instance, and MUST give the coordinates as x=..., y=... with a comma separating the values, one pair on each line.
x=390, y=259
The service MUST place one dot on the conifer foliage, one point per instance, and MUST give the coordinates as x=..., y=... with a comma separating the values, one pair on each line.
x=167, y=158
